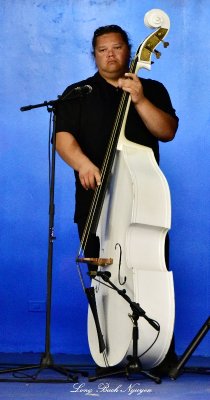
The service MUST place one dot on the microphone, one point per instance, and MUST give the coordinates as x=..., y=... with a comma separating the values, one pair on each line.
x=86, y=89
x=76, y=92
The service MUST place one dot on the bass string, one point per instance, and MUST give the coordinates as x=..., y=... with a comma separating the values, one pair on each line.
x=107, y=163
x=99, y=189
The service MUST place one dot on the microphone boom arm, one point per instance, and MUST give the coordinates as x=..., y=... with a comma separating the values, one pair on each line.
x=72, y=94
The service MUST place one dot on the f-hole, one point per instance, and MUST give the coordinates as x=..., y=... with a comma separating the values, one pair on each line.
x=119, y=264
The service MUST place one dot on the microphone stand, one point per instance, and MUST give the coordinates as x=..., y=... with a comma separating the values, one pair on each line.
x=134, y=364
x=46, y=361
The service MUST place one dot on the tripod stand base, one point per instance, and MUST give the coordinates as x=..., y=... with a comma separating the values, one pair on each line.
x=21, y=372
x=130, y=371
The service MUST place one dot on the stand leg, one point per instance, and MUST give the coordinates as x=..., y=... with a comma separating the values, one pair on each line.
x=174, y=372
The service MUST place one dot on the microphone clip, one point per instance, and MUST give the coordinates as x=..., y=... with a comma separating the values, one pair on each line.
x=105, y=275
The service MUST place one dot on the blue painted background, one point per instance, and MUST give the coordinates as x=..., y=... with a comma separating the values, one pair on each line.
x=44, y=46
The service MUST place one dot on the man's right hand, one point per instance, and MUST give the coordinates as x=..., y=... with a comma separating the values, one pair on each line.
x=70, y=151
x=89, y=175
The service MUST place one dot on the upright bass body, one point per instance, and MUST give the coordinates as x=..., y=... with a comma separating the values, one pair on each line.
x=135, y=216
x=134, y=222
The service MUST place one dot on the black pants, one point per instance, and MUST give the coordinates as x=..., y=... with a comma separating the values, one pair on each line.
x=92, y=247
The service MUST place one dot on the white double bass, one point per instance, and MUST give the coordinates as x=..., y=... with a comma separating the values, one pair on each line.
x=132, y=212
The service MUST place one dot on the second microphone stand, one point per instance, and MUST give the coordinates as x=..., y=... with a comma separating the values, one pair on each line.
x=134, y=365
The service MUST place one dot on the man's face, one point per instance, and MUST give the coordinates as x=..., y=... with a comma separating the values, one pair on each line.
x=111, y=55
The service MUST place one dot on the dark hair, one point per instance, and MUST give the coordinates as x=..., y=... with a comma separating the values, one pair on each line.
x=109, y=29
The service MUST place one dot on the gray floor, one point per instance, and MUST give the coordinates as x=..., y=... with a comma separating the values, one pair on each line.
x=187, y=385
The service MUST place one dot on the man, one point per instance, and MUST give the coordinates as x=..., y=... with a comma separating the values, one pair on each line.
x=84, y=124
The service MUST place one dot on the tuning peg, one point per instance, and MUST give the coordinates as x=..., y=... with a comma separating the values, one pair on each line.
x=165, y=44
x=157, y=53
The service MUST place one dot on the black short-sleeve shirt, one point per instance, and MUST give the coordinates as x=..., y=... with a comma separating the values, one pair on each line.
x=90, y=119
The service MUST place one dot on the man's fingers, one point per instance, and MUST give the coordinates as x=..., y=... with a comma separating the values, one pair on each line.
x=90, y=180
x=98, y=178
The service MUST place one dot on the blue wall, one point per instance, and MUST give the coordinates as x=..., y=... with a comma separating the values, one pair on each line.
x=45, y=45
